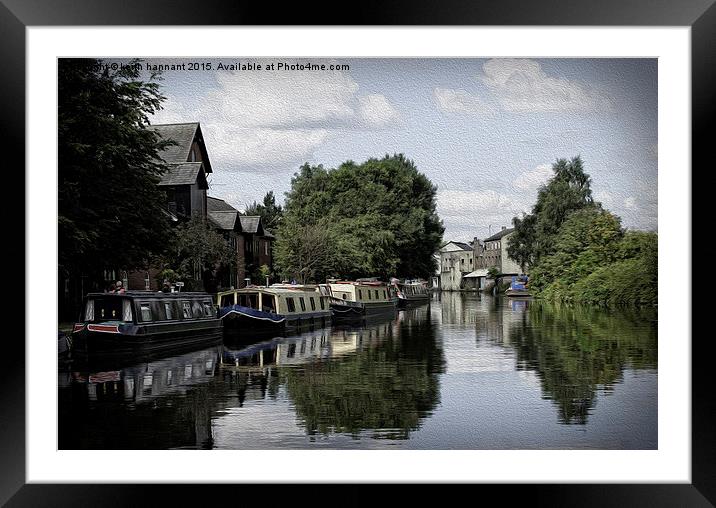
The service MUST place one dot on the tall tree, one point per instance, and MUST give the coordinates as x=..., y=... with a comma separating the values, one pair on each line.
x=380, y=219
x=110, y=210
x=568, y=190
x=270, y=212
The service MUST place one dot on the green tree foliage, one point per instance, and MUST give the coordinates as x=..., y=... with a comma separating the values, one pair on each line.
x=270, y=213
x=110, y=210
x=197, y=247
x=568, y=190
x=377, y=218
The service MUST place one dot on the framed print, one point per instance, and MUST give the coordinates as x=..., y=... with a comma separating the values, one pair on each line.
x=483, y=192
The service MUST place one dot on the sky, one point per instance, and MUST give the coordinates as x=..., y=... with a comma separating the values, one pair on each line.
x=485, y=131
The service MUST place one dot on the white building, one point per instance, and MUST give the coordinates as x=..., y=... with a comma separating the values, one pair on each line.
x=456, y=260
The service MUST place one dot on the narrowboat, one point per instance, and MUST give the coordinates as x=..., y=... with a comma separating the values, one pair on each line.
x=274, y=307
x=144, y=321
x=518, y=287
x=411, y=292
x=357, y=299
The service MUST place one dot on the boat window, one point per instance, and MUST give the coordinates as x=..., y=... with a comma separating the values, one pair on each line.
x=186, y=309
x=368, y=294
x=145, y=311
x=196, y=309
x=303, y=303
x=313, y=303
x=208, y=309
x=126, y=310
x=360, y=294
x=291, y=305
x=249, y=300
x=227, y=300
x=345, y=296
x=168, y=310
x=89, y=310
x=376, y=294
x=385, y=294
x=269, y=303
x=323, y=304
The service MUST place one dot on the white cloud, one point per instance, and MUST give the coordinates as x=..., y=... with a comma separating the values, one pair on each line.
x=630, y=203
x=522, y=86
x=377, y=112
x=532, y=179
x=265, y=118
x=459, y=101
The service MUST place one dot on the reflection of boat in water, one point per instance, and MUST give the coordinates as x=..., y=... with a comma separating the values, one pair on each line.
x=411, y=292
x=518, y=287
x=139, y=322
x=358, y=299
x=331, y=342
x=275, y=307
x=145, y=381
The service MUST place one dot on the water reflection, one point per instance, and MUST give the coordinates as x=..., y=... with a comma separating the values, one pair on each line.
x=577, y=351
x=463, y=372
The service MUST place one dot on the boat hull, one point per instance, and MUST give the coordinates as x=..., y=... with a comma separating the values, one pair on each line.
x=517, y=293
x=413, y=300
x=357, y=310
x=141, y=339
x=239, y=318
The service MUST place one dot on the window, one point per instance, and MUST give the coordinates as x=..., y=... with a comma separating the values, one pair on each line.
x=196, y=309
x=126, y=310
x=168, y=310
x=192, y=156
x=291, y=305
x=313, y=303
x=360, y=294
x=368, y=294
x=186, y=309
x=145, y=311
x=89, y=310
x=323, y=303
x=208, y=309
x=385, y=294
x=376, y=294
x=303, y=303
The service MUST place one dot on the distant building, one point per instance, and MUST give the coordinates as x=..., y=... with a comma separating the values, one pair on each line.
x=493, y=252
x=247, y=237
x=456, y=259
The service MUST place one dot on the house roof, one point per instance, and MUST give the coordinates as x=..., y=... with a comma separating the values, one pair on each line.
x=459, y=245
x=183, y=134
x=218, y=205
x=185, y=173
x=251, y=224
x=477, y=273
x=499, y=235
x=224, y=220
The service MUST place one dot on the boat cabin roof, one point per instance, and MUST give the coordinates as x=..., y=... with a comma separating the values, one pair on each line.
x=150, y=294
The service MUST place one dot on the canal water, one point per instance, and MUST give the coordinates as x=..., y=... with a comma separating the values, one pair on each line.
x=463, y=372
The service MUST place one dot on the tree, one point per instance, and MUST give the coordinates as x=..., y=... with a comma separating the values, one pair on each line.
x=110, y=210
x=269, y=211
x=568, y=190
x=377, y=218
x=196, y=249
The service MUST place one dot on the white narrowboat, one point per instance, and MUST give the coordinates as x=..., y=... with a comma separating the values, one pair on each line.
x=273, y=307
x=350, y=299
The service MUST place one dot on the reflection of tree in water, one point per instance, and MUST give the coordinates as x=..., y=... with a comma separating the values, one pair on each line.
x=387, y=387
x=576, y=350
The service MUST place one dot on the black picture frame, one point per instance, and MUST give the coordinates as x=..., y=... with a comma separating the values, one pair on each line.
x=16, y=15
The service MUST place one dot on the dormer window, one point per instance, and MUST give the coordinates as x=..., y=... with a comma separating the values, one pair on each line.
x=192, y=155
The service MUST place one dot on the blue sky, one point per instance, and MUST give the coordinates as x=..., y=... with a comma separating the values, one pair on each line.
x=485, y=131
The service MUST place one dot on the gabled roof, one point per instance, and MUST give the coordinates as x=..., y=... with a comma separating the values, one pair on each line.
x=499, y=235
x=459, y=245
x=225, y=220
x=251, y=224
x=183, y=134
x=185, y=173
x=477, y=273
x=218, y=205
